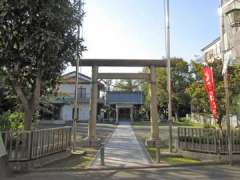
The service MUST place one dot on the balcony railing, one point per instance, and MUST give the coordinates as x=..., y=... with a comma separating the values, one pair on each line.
x=71, y=99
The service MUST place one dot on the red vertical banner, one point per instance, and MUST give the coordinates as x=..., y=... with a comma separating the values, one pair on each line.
x=209, y=87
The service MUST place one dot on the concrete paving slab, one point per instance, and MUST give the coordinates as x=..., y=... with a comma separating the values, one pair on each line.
x=123, y=149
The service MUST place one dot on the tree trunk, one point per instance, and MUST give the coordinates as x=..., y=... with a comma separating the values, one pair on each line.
x=33, y=105
x=36, y=95
x=28, y=117
x=30, y=103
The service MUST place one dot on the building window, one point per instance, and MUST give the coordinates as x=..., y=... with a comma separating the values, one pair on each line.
x=82, y=93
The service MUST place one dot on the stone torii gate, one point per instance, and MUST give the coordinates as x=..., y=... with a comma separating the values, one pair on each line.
x=148, y=77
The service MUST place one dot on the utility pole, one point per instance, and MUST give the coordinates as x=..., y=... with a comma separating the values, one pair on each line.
x=168, y=56
x=76, y=101
x=222, y=32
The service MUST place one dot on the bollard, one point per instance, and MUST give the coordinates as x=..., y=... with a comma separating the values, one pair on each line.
x=102, y=155
x=177, y=145
x=157, y=152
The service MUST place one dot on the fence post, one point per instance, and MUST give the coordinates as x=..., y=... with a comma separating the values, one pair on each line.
x=185, y=138
x=70, y=138
x=102, y=155
x=232, y=140
x=63, y=130
x=16, y=155
x=192, y=131
x=30, y=134
x=178, y=139
x=157, y=151
x=215, y=140
x=219, y=137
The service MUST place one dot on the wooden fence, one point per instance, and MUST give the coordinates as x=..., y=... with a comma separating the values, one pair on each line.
x=30, y=145
x=207, y=140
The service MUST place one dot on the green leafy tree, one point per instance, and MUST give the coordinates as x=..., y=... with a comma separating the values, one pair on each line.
x=198, y=94
x=181, y=79
x=8, y=100
x=11, y=121
x=199, y=101
x=37, y=40
x=127, y=85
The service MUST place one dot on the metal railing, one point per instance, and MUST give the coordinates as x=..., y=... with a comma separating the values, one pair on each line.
x=30, y=145
x=207, y=140
x=70, y=99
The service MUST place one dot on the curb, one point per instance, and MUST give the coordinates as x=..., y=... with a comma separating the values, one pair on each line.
x=160, y=166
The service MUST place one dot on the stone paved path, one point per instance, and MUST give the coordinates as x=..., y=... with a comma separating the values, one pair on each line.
x=123, y=149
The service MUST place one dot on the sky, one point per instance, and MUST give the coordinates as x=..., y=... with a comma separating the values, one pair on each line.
x=135, y=29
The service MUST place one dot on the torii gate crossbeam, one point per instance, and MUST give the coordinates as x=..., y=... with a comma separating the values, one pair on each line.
x=151, y=78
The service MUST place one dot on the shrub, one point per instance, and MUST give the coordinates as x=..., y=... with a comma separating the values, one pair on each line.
x=209, y=126
x=11, y=121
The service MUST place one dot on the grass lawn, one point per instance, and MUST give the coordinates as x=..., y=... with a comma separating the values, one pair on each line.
x=170, y=159
x=146, y=123
x=188, y=124
x=177, y=124
x=142, y=131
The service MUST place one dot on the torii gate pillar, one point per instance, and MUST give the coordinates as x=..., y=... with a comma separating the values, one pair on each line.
x=154, y=134
x=93, y=112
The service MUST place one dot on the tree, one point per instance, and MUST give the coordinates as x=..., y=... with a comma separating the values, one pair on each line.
x=11, y=116
x=37, y=40
x=127, y=85
x=198, y=94
x=181, y=79
x=7, y=97
x=199, y=101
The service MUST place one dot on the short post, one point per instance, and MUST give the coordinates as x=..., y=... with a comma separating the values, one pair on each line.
x=157, y=151
x=102, y=155
x=177, y=142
